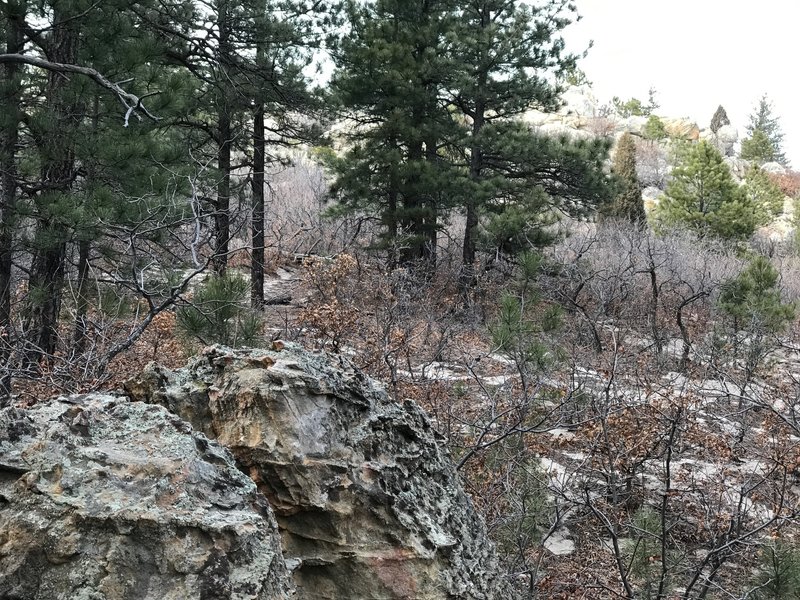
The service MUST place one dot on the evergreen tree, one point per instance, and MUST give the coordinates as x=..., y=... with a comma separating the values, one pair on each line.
x=391, y=69
x=758, y=148
x=763, y=194
x=765, y=138
x=753, y=302
x=719, y=120
x=504, y=57
x=628, y=203
x=753, y=298
x=703, y=196
x=437, y=87
x=11, y=21
x=79, y=155
x=655, y=129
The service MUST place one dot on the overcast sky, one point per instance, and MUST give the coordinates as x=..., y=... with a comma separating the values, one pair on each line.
x=697, y=54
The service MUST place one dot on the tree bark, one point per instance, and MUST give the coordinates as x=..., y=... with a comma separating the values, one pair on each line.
x=10, y=100
x=222, y=227
x=468, y=280
x=82, y=302
x=259, y=164
x=57, y=175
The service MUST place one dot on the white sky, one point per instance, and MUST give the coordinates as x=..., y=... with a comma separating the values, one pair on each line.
x=697, y=54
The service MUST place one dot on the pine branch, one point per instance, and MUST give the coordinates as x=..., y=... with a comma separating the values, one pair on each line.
x=131, y=102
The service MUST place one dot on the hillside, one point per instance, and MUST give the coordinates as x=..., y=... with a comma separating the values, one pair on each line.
x=454, y=327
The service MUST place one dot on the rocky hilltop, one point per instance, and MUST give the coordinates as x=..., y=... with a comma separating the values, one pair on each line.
x=247, y=474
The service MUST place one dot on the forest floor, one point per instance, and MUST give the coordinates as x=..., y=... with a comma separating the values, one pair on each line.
x=600, y=474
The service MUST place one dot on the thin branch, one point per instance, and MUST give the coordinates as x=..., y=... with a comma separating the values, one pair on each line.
x=132, y=103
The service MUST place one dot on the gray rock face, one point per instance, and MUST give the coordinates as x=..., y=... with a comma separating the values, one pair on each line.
x=101, y=498
x=368, y=503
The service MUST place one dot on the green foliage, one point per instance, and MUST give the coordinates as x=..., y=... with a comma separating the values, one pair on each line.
x=524, y=321
x=541, y=177
x=758, y=148
x=655, y=129
x=219, y=314
x=522, y=226
x=765, y=138
x=645, y=553
x=779, y=575
x=438, y=87
x=525, y=516
x=753, y=299
x=763, y=193
x=628, y=203
x=703, y=196
x=576, y=77
x=719, y=120
x=628, y=108
x=634, y=107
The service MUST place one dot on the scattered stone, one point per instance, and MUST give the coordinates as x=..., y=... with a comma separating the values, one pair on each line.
x=559, y=544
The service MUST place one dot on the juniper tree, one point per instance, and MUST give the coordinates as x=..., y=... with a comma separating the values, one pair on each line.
x=627, y=203
x=719, y=120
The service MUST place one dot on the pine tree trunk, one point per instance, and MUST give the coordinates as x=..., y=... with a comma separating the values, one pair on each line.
x=468, y=279
x=257, y=259
x=10, y=99
x=47, y=271
x=224, y=141
x=82, y=302
x=431, y=224
x=412, y=220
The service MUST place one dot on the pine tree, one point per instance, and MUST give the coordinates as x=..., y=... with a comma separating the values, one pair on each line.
x=758, y=148
x=703, y=196
x=505, y=55
x=11, y=19
x=80, y=154
x=390, y=72
x=628, y=203
x=654, y=129
x=765, y=138
x=719, y=120
x=763, y=194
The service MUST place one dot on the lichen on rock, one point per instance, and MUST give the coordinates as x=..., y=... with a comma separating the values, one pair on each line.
x=102, y=498
x=368, y=501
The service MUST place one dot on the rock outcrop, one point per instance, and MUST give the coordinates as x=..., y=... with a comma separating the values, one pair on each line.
x=368, y=503
x=102, y=498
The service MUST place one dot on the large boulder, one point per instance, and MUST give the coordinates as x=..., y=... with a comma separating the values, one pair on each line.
x=682, y=129
x=367, y=499
x=101, y=498
x=774, y=168
x=727, y=136
x=724, y=139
